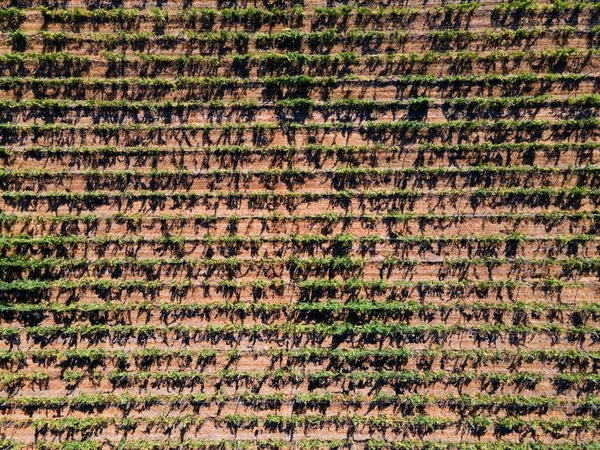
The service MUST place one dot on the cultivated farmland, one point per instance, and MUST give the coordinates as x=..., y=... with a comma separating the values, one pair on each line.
x=309, y=225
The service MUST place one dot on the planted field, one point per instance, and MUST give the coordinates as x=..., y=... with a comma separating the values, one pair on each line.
x=310, y=225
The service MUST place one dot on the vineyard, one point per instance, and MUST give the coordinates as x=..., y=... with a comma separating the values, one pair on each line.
x=239, y=225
